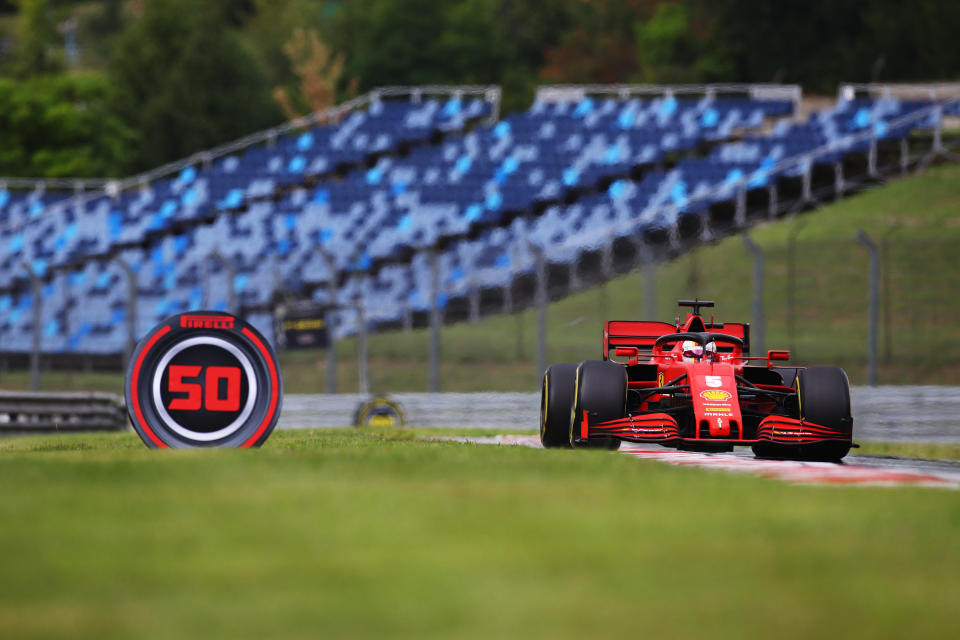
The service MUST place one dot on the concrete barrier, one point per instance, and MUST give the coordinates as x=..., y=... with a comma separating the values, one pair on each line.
x=916, y=413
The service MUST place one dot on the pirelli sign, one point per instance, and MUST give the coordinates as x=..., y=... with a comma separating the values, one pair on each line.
x=203, y=379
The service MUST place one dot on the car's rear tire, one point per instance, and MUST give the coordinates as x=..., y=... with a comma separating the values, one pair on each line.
x=824, y=399
x=556, y=404
x=601, y=391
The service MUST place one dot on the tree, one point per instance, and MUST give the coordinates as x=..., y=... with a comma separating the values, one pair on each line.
x=186, y=81
x=61, y=126
x=420, y=42
x=600, y=46
x=35, y=39
x=672, y=47
x=318, y=70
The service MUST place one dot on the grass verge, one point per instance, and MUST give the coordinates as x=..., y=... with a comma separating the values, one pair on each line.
x=944, y=451
x=349, y=533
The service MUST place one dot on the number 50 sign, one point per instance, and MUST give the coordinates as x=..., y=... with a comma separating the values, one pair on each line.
x=203, y=379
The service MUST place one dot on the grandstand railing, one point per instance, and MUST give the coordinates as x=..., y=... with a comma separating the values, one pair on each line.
x=757, y=91
x=929, y=91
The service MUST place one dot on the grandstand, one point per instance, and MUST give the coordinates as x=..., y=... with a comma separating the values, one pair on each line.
x=407, y=199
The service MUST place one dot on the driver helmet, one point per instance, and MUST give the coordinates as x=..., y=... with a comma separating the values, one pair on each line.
x=691, y=351
x=710, y=350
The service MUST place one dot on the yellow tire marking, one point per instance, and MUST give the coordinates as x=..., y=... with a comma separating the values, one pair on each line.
x=546, y=404
x=799, y=397
x=576, y=399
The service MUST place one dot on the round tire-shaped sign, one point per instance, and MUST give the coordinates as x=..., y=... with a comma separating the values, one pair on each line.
x=203, y=379
x=379, y=411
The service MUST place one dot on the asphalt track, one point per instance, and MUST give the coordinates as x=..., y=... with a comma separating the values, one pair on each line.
x=866, y=470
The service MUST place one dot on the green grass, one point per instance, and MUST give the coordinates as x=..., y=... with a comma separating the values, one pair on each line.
x=943, y=451
x=917, y=220
x=347, y=533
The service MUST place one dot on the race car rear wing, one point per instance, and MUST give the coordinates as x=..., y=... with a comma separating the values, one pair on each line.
x=643, y=334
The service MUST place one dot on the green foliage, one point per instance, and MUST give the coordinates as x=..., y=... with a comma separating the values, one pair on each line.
x=422, y=42
x=36, y=33
x=99, y=30
x=822, y=43
x=186, y=82
x=392, y=42
x=671, y=49
x=598, y=46
x=60, y=126
x=190, y=74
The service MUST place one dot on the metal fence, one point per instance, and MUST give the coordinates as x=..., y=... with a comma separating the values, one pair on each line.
x=878, y=304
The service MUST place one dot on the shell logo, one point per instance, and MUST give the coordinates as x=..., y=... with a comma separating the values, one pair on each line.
x=715, y=394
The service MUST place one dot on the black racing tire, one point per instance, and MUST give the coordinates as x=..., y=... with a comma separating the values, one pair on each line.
x=601, y=391
x=824, y=398
x=556, y=403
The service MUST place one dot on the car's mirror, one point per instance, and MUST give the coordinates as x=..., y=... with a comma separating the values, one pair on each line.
x=629, y=352
x=775, y=354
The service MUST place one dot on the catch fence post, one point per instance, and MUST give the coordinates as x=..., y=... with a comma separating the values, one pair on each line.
x=363, y=381
x=474, y=302
x=807, y=188
x=758, y=328
x=938, y=130
x=541, y=302
x=132, y=300
x=839, y=186
x=231, y=270
x=331, y=374
x=434, y=374
x=872, y=312
x=791, y=292
x=773, y=204
x=649, y=288
x=740, y=215
x=37, y=293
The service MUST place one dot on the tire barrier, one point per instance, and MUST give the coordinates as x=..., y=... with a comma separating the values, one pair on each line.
x=28, y=412
x=203, y=379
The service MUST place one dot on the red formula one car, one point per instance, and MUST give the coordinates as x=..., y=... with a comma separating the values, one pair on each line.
x=694, y=386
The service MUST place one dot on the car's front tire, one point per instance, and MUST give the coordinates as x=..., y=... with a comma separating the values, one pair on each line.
x=824, y=399
x=556, y=402
x=601, y=391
